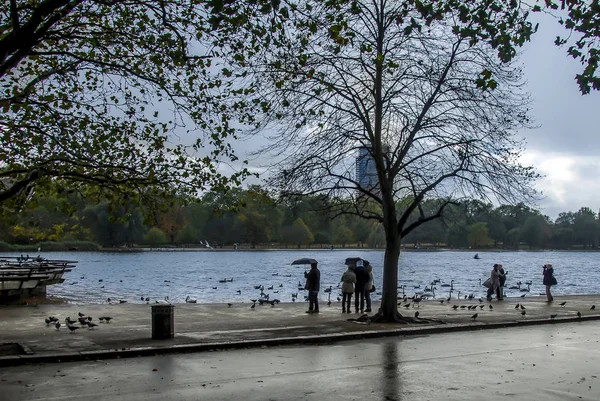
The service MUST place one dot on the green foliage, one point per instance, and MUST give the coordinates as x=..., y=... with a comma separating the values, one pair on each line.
x=478, y=235
x=119, y=101
x=155, y=237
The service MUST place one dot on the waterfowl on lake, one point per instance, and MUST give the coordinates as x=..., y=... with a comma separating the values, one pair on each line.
x=190, y=300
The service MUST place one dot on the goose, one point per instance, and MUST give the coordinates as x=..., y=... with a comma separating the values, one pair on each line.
x=190, y=300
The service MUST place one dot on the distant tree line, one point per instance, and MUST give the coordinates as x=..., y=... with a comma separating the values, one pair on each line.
x=253, y=218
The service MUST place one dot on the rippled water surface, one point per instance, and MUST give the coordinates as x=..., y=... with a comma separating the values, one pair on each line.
x=132, y=275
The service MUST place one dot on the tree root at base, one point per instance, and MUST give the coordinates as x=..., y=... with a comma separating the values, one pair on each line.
x=398, y=318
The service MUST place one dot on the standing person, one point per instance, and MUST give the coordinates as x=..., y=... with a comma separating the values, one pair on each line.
x=502, y=280
x=369, y=287
x=313, y=283
x=359, y=290
x=348, y=280
x=549, y=280
x=494, y=282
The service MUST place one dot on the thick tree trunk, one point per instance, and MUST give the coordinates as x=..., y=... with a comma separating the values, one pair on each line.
x=389, y=296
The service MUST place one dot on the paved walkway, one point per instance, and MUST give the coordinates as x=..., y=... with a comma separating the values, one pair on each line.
x=217, y=326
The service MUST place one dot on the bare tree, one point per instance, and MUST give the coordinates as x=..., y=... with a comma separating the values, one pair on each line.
x=434, y=108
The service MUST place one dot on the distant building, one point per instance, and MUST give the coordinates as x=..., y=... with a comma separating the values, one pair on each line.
x=366, y=173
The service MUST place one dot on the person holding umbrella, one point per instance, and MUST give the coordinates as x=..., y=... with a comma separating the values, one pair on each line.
x=313, y=282
x=362, y=276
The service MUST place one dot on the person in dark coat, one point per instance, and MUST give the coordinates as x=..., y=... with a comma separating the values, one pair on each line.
x=313, y=284
x=362, y=276
x=549, y=280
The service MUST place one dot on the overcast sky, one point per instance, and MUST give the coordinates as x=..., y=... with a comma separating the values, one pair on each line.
x=564, y=149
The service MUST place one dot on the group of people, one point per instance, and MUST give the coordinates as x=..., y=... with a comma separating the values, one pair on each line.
x=495, y=283
x=357, y=280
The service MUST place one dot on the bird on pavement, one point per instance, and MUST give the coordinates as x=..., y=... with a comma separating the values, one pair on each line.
x=553, y=317
x=474, y=316
x=563, y=303
x=455, y=307
x=91, y=325
x=253, y=305
x=579, y=314
x=517, y=306
x=81, y=314
x=417, y=314
x=491, y=307
x=593, y=307
x=72, y=328
x=229, y=305
x=523, y=296
x=481, y=307
x=523, y=313
x=57, y=325
x=522, y=307
x=69, y=321
x=48, y=321
x=107, y=318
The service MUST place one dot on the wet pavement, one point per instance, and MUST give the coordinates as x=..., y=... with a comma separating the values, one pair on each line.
x=202, y=327
x=543, y=362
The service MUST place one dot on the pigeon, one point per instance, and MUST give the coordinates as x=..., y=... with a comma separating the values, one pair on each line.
x=57, y=325
x=455, y=307
x=253, y=306
x=491, y=307
x=417, y=314
x=523, y=296
x=474, y=316
x=107, y=318
x=517, y=306
x=523, y=313
x=229, y=305
x=69, y=321
x=593, y=307
x=481, y=307
x=553, y=317
x=48, y=321
x=91, y=325
x=72, y=328
x=563, y=303
x=579, y=314
x=82, y=314
x=89, y=318
x=522, y=307
x=101, y=319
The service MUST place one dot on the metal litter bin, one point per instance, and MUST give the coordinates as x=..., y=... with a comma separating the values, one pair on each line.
x=163, y=321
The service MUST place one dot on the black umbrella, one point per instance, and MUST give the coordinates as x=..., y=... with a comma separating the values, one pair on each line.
x=304, y=261
x=354, y=261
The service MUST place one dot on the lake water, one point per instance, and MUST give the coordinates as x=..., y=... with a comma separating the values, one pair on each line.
x=132, y=275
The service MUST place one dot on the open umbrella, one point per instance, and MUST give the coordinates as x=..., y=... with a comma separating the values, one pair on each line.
x=355, y=261
x=304, y=261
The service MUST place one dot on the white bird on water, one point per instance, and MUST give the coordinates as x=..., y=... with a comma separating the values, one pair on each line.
x=190, y=300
